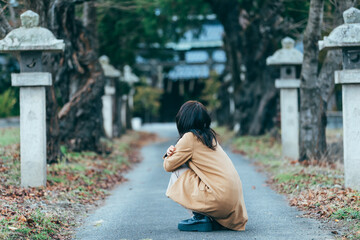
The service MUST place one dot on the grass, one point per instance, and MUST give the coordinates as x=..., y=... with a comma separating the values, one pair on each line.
x=346, y=213
x=224, y=134
x=37, y=225
x=79, y=180
x=9, y=136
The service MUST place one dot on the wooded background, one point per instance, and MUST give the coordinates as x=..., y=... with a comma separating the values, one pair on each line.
x=253, y=30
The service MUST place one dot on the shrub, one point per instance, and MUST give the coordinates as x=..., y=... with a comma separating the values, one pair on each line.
x=7, y=103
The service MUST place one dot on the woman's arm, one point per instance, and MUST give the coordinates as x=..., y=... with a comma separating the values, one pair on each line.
x=182, y=154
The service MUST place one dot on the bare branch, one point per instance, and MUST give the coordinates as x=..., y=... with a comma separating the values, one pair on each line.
x=125, y=5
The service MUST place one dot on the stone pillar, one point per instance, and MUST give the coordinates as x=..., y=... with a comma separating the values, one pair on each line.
x=131, y=99
x=181, y=87
x=32, y=126
x=287, y=58
x=29, y=42
x=130, y=78
x=347, y=38
x=289, y=117
x=160, y=76
x=107, y=110
x=124, y=111
x=111, y=74
x=231, y=100
x=350, y=80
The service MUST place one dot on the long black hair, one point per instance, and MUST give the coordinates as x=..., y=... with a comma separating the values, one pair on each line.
x=193, y=117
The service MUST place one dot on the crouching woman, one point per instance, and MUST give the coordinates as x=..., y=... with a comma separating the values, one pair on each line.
x=203, y=180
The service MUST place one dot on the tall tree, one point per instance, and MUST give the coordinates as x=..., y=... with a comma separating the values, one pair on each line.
x=251, y=28
x=312, y=138
x=77, y=77
x=316, y=89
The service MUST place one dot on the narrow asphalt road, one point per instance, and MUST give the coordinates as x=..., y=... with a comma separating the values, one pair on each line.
x=139, y=209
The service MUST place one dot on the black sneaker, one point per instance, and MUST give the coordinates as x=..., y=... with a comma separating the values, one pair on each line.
x=198, y=222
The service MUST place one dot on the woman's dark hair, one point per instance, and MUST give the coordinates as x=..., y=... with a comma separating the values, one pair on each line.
x=193, y=117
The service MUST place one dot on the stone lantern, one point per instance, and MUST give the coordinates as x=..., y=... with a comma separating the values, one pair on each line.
x=347, y=38
x=111, y=75
x=28, y=43
x=287, y=59
x=128, y=101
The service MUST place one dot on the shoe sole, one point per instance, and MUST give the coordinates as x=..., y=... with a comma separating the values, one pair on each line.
x=217, y=226
x=200, y=227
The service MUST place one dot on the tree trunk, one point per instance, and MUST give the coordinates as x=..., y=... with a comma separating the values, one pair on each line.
x=224, y=114
x=77, y=76
x=332, y=62
x=312, y=131
x=128, y=114
x=52, y=123
x=228, y=14
x=81, y=120
x=248, y=43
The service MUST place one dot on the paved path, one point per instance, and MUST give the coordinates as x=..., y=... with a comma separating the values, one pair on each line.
x=139, y=209
x=9, y=122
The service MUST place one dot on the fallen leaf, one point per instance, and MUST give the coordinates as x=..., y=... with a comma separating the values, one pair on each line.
x=22, y=219
x=98, y=223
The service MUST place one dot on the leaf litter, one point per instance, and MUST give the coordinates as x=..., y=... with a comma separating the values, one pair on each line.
x=74, y=187
x=317, y=188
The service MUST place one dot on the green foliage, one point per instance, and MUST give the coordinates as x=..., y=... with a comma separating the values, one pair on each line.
x=147, y=101
x=9, y=136
x=126, y=24
x=209, y=93
x=7, y=103
x=295, y=180
x=265, y=148
x=43, y=226
x=346, y=213
x=122, y=88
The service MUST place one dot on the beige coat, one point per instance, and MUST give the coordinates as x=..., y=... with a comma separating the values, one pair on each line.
x=211, y=186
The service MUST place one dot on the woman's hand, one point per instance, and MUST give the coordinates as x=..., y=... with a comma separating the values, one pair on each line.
x=170, y=151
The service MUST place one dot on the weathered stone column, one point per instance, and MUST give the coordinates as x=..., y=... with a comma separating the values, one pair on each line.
x=111, y=75
x=124, y=107
x=287, y=58
x=29, y=42
x=347, y=38
x=107, y=110
x=130, y=78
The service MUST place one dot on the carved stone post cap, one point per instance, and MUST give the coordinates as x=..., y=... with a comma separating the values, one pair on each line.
x=31, y=37
x=109, y=70
x=129, y=76
x=288, y=43
x=287, y=55
x=29, y=19
x=352, y=15
x=104, y=59
x=345, y=35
